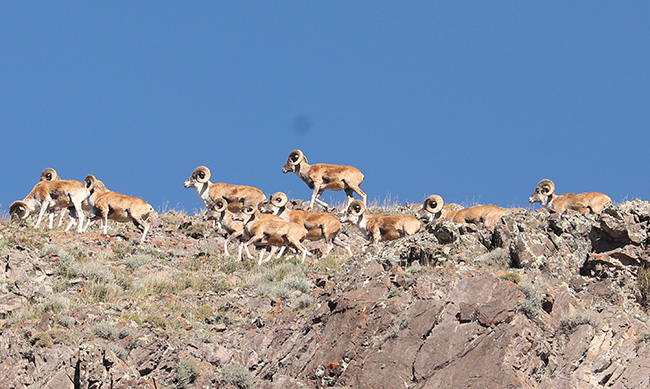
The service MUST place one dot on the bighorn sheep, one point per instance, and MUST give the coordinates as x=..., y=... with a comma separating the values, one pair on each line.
x=119, y=207
x=234, y=228
x=380, y=227
x=50, y=195
x=321, y=176
x=271, y=232
x=590, y=202
x=209, y=192
x=319, y=225
x=432, y=209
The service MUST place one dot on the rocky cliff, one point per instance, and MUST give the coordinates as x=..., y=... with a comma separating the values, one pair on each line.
x=541, y=301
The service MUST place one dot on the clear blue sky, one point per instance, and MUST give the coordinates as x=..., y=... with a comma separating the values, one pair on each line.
x=475, y=101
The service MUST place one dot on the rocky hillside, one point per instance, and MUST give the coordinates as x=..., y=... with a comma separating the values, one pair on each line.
x=543, y=301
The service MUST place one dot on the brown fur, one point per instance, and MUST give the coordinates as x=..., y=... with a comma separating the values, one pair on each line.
x=51, y=195
x=234, y=228
x=120, y=208
x=209, y=192
x=379, y=228
x=272, y=232
x=321, y=177
x=589, y=202
x=319, y=225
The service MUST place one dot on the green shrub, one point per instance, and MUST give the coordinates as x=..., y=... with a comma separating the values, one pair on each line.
x=187, y=372
x=237, y=375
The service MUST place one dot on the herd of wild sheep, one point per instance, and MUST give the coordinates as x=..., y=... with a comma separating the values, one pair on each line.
x=243, y=212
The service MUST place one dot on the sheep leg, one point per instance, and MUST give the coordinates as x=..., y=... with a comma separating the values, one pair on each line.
x=271, y=253
x=281, y=252
x=50, y=218
x=340, y=243
x=300, y=247
x=61, y=216
x=315, y=197
x=41, y=214
x=142, y=225
x=79, y=213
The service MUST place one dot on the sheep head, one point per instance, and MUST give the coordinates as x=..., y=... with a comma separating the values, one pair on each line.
x=295, y=158
x=431, y=208
x=19, y=210
x=543, y=192
x=200, y=175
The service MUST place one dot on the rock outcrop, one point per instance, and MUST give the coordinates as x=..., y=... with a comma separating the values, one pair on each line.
x=539, y=301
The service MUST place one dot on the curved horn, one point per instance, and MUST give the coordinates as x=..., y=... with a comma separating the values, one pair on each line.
x=546, y=186
x=202, y=174
x=220, y=204
x=19, y=209
x=248, y=210
x=49, y=174
x=356, y=208
x=433, y=204
x=296, y=157
x=279, y=199
x=90, y=182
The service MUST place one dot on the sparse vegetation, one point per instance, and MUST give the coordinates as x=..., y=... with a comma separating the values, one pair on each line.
x=181, y=294
x=532, y=305
x=187, y=372
x=643, y=280
x=512, y=277
x=569, y=323
x=237, y=375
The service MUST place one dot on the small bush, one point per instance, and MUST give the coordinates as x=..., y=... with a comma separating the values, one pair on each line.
x=187, y=372
x=569, y=323
x=195, y=230
x=157, y=321
x=304, y=301
x=202, y=312
x=533, y=303
x=297, y=282
x=643, y=281
x=49, y=338
x=237, y=375
x=119, y=351
x=104, y=330
x=135, y=261
x=42, y=339
x=512, y=277
x=56, y=303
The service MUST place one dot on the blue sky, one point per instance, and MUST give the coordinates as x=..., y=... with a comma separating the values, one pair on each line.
x=475, y=101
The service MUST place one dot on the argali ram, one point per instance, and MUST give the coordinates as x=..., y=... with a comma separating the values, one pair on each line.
x=209, y=192
x=321, y=177
x=234, y=229
x=590, y=202
x=432, y=209
x=271, y=232
x=52, y=195
x=119, y=207
x=378, y=228
x=319, y=225
x=49, y=174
